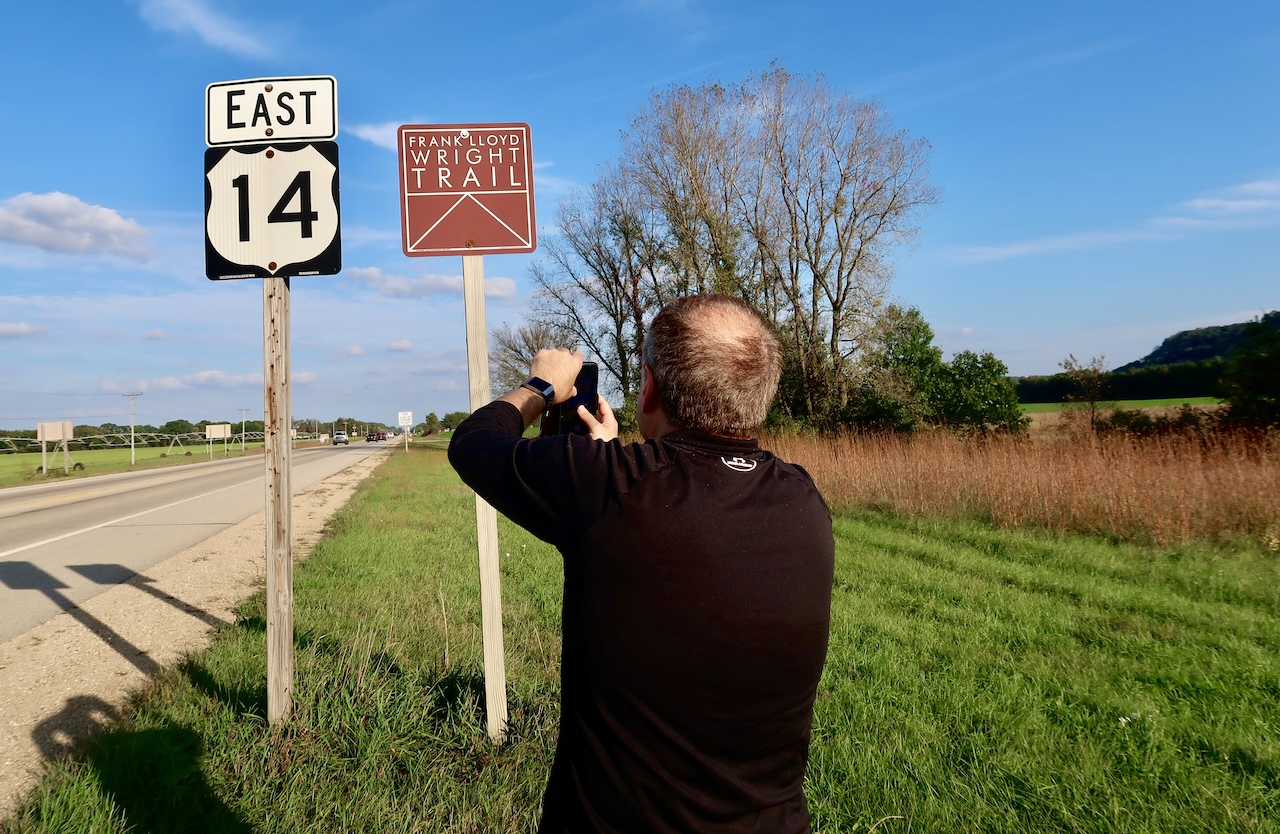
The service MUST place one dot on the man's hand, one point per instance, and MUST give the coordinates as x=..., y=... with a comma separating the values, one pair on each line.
x=606, y=428
x=559, y=367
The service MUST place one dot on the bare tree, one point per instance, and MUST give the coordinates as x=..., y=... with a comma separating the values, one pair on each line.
x=511, y=351
x=780, y=190
x=602, y=277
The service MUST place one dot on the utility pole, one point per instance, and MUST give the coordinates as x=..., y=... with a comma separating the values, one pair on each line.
x=132, y=399
x=242, y=413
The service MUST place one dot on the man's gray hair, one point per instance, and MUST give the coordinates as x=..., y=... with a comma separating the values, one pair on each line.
x=716, y=362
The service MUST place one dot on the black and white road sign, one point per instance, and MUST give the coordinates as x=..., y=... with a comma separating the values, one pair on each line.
x=272, y=211
x=294, y=109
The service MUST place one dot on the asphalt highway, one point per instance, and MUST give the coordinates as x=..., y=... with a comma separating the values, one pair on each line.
x=64, y=542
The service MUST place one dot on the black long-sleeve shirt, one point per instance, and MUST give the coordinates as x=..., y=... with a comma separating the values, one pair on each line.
x=697, y=594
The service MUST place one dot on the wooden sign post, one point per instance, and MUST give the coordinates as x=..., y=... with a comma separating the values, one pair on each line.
x=495, y=673
x=278, y=453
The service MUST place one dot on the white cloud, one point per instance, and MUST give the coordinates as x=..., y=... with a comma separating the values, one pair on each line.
x=157, y=334
x=1236, y=207
x=199, y=379
x=550, y=184
x=1226, y=205
x=304, y=377
x=398, y=286
x=1051, y=244
x=58, y=222
x=402, y=345
x=1263, y=187
x=383, y=135
x=213, y=28
x=12, y=330
x=354, y=350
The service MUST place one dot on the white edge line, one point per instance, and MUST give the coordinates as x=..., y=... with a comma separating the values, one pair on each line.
x=123, y=518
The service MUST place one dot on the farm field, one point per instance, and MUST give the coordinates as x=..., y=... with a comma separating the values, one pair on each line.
x=20, y=467
x=978, y=679
x=1175, y=402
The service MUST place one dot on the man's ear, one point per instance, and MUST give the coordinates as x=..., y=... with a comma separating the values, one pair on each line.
x=649, y=399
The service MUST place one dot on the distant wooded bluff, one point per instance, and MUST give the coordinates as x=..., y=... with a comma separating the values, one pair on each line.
x=1187, y=364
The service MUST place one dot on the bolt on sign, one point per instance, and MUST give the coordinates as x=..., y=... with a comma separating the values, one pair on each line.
x=466, y=189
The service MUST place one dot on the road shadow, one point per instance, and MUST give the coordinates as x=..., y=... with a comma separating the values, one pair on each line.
x=245, y=700
x=25, y=576
x=152, y=776
x=104, y=574
x=65, y=732
x=155, y=779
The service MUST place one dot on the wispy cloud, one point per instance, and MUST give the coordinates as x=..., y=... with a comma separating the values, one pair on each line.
x=58, y=222
x=401, y=346
x=212, y=27
x=1236, y=207
x=197, y=380
x=550, y=184
x=354, y=350
x=383, y=135
x=158, y=334
x=984, y=71
x=398, y=286
x=13, y=330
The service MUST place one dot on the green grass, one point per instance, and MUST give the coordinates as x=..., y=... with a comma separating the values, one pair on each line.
x=1172, y=402
x=977, y=680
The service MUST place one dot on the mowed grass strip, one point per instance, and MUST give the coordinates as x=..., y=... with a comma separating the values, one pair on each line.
x=977, y=680
x=20, y=468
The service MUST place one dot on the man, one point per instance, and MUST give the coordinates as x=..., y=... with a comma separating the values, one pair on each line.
x=697, y=581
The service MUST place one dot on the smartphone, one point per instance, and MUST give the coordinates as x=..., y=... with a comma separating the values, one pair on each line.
x=563, y=418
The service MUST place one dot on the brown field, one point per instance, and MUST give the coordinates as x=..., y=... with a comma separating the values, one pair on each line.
x=1162, y=490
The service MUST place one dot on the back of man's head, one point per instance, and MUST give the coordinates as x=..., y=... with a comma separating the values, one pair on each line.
x=716, y=363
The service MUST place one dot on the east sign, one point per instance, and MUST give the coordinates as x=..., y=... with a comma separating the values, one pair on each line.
x=295, y=109
x=271, y=178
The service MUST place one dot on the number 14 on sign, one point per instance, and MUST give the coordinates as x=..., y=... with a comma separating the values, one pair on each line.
x=272, y=211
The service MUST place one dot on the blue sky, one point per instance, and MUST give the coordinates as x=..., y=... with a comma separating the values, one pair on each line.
x=1110, y=174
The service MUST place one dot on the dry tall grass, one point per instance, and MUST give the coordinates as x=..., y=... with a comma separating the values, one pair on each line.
x=1162, y=490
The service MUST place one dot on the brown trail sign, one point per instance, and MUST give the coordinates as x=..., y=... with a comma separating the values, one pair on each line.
x=466, y=189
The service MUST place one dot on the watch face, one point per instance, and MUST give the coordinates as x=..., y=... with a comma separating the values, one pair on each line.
x=546, y=389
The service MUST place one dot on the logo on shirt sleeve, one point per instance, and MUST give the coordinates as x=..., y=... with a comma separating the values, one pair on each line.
x=738, y=464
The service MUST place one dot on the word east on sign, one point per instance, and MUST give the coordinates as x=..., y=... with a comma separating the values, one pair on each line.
x=466, y=189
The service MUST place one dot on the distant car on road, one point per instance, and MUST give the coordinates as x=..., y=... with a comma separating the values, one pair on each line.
x=382, y=435
x=371, y=437
x=340, y=437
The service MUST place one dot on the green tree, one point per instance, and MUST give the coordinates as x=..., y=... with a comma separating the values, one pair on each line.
x=453, y=419
x=1090, y=387
x=178, y=427
x=976, y=394
x=1252, y=379
x=431, y=425
x=901, y=376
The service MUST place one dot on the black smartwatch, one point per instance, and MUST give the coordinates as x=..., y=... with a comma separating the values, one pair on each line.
x=541, y=386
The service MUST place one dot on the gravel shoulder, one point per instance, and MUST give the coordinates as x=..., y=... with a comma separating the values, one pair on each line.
x=72, y=675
